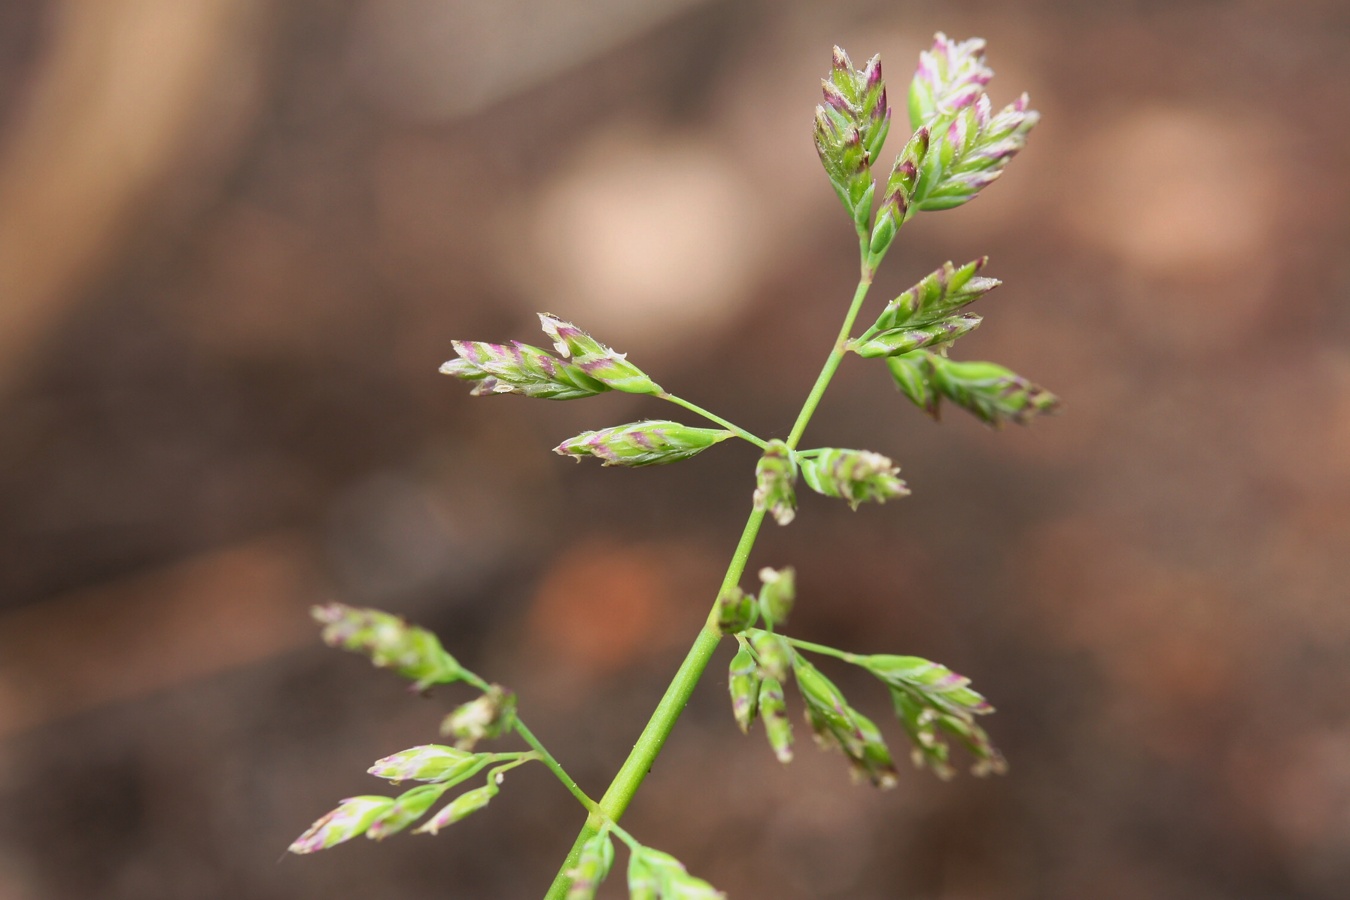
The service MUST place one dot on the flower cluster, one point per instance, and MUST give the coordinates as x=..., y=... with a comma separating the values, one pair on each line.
x=958, y=146
x=390, y=642
x=378, y=817
x=642, y=443
x=587, y=366
x=851, y=126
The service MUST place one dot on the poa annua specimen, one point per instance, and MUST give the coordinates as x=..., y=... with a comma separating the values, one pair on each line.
x=959, y=146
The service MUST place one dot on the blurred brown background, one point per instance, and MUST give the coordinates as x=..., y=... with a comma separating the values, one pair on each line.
x=237, y=237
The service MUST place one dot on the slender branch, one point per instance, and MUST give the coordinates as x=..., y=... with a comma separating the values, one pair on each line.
x=541, y=752
x=632, y=842
x=554, y=766
x=713, y=417
x=499, y=770
x=471, y=679
x=823, y=650
x=867, y=335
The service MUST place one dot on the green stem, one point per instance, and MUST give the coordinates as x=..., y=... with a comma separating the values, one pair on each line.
x=872, y=331
x=662, y=722
x=554, y=766
x=713, y=417
x=539, y=749
x=653, y=738
x=502, y=770
x=632, y=842
x=832, y=363
x=473, y=680
x=825, y=651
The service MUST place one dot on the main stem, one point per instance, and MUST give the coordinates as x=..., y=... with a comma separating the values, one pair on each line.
x=653, y=738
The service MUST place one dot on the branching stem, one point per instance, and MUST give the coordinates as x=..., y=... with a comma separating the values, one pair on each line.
x=653, y=738
x=554, y=766
x=825, y=651
x=522, y=759
x=540, y=751
x=713, y=417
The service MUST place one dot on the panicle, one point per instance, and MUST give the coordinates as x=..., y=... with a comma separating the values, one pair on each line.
x=774, y=653
x=898, y=201
x=651, y=443
x=777, y=726
x=775, y=475
x=951, y=75
x=428, y=762
x=899, y=341
x=912, y=374
x=390, y=642
x=991, y=392
x=736, y=611
x=850, y=127
x=933, y=703
x=492, y=715
x=517, y=368
x=837, y=724
x=743, y=681
x=595, y=359
x=937, y=295
x=778, y=594
x=854, y=475
x=968, y=150
x=350, y=819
